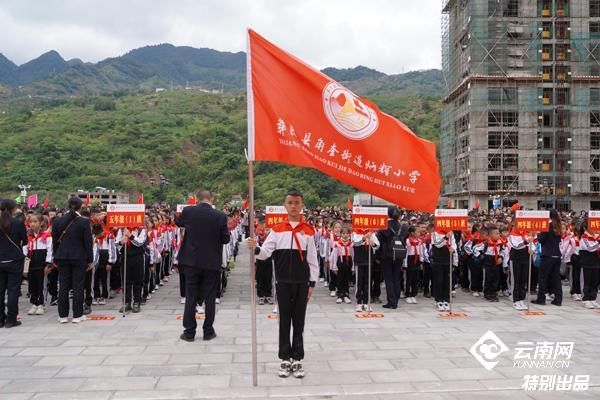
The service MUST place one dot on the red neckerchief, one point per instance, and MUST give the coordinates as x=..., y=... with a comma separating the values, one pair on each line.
x=445, y=238
x=32, y=240
x=415, y=247
x=362, y=232
x=495, y=247
x=587, y=236
x=105, y=233
x=346, y=247
x=301, y=227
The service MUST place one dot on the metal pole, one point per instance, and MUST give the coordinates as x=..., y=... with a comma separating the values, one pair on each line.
x=252, y=273
x=369, y=282
x=450, y=284
x=529, y=279
x=124, y=276
x=273, y=283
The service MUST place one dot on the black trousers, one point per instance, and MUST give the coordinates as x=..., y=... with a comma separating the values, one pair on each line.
x=344, y=275
x=35, y=277
x=427, y=278
x=264, y=279
x=476, y=276
x=89, y=275
x=181, y=281
x=463, y=268
x=167, y=263
x=71, y=275
x=591, y=279
x=376, y=279
x=392, y=272
x=147, y=275
x=134, y=276
x=362, y=284
x=200, y=284
x=520, y=279
x=441, y=282
x=492, y=280
x=101, y=276
x=53, y=283
x=10, y=282
x=115, y=274
x=575, y=275
x=549, y=280
x=292, y=299
x=332, y=280
x=412, y=276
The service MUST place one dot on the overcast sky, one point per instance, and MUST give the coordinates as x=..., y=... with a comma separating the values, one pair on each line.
x=392, y=36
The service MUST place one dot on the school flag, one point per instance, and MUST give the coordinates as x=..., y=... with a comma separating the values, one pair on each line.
x=300, y=116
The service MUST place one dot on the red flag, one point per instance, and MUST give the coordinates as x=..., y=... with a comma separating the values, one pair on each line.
x=47, y=201
x=515, y=207
x=87, y=200
x=303, y=117
x=141, y=198
x=192, y=201
x=245, y=206
x=477, y=204
x=349, y=203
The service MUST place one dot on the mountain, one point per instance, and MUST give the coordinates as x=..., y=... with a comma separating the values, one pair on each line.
x=7, y=68
x=166, y=65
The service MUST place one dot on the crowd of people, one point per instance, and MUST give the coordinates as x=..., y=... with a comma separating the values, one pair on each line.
x=71, y=253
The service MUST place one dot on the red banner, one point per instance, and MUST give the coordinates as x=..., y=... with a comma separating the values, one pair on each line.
x=125, y=215
x=369, y=218
x=274, y=215
x=297, y=115
x=594, y=221
x=532, y=221
x=451, y=219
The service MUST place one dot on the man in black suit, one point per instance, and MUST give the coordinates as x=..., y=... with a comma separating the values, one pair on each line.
x=73, y=253
x=201, y=256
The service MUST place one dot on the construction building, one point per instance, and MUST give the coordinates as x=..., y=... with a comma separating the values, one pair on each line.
x=522, y=105
x=103, y=197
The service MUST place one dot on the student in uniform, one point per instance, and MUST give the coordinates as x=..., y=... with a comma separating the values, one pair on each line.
x=39, y=251
x=364, y=242
x=479, y=241
x=427, y=273
x=575, y=264
x=443, y=246
x=107, y=256
x=519, y=247
x=341, y=260
x=264, y=272
x=412, y=263
x=589, y=245
x=332, y=238
x=495, y=259
x=133, y=273
x=292, y=246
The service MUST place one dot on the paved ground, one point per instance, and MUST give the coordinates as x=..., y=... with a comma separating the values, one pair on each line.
x=409, y=353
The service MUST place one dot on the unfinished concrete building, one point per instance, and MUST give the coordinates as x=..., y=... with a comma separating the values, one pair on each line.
x=522, y=105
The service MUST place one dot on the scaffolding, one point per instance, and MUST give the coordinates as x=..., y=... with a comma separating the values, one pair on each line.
x=521, y=105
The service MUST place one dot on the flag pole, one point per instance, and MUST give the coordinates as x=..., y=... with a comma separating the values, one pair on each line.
x=250, y=157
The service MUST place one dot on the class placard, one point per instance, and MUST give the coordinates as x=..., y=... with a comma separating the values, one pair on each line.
x=594, y=221
x=125, y=215
x=274, y=215
x=532, y=221
x=451, y=219
x=369, y=217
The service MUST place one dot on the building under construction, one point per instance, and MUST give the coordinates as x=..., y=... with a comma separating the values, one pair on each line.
x=522, y=105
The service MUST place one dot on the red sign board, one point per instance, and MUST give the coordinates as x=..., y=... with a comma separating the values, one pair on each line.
x=451, y=219
x=369, y=218
x=532, y=221
x=275, y=215
x=125, y=215
x=594, y=221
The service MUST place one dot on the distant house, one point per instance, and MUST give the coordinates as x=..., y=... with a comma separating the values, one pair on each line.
x=105, y=196
x=159, y=89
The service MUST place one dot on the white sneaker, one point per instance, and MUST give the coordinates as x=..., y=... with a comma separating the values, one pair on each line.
x=40, y=310
x=285, y=369
x=367, y=308
x=523, y=305
x=517, y=306
x=475, y=294
x=446, y=306
x=595, y=304
x=325, y=284
x=339, y=300
x=402, y=296
x=578, y=297
x=297, y=370
x=588, y=304
x=200, y=309
x=78, y=320
x=454, y=293
x=63, y=320
x=549, y=297
x=440, y=306
x=218, y=301
x=149, y=297
x=95, y=302
x=321, y=279
x=359, y=307
x=347, y=300
x=333, y=293
x=32, y=310
x=414, y=300
x=275, y=310
x=409, y=300
x=102, y=301
x=500, y=293
x=182, y=301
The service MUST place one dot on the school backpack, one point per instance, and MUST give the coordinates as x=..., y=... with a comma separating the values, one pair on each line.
x=396, y=248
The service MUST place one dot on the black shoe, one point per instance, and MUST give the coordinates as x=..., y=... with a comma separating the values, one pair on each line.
x=387, y=305
x=2, y=323
x=87, y=309
x=54, y=301
x=209, y=336
x=12, y=324
x=187, y=338
x=492, y=299
x=427, y=295
x=538, y=302
x=136, y=307
x=556, y=303
x=127, y=308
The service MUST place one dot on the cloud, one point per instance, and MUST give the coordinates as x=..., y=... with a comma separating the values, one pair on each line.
x=389, y=35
